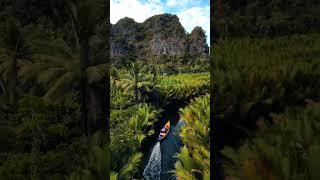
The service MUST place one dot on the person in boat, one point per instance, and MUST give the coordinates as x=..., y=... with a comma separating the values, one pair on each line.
x=164, y=131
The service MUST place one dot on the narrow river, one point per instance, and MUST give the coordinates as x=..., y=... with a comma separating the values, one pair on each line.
x=169, y=146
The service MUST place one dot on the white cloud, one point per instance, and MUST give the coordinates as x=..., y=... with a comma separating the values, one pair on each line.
x=172, y=3
x=182, y=3
x=196, y=16
x=134, y=9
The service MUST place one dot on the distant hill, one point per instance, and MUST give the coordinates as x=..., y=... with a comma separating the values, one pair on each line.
x=158, y=35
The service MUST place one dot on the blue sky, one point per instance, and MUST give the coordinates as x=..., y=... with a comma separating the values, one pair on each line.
x=190, y=12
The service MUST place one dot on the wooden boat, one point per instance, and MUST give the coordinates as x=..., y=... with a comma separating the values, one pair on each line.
x=164, y=131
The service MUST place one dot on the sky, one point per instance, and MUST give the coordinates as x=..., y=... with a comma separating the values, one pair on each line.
x=191, y=13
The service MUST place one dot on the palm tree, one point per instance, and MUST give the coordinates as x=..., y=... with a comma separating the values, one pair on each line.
x=114, y=78
x=85, y=16
x=154, y=70
x=128, y=169
x=194, y=158
x=113, y=176
x=95, y=163
x=288, y=149
x=80, y=65
x=15, y=49
x=185, y=168
x=59, y=70
x=114, y=75
x=142, y=121
x=135, y=81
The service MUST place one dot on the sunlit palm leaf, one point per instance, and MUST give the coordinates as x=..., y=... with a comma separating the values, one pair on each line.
x=131, y=166
x=113, y=176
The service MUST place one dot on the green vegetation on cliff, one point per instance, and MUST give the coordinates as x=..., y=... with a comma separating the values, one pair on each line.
x=157, y=37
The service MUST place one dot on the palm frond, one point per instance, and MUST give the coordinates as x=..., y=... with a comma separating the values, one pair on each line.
x=127, y=170
x=96, y=73
x=61, y=86
x=113, y=176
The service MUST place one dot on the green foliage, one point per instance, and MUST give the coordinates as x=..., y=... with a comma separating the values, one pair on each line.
x=142, y=121
x=16, y=47
x=36, y=123
x=42, y=140
x=254, y=77
x=135, y=82
x=114, y=75
x=113, y=176
x=44, y=59
x=131, y=120
x=183, y=86
x=254, y=18
x=38, y=165
x=128, y=169
x=142, y=118
x=289, y=149
x=57, y=67
x=129, y=127
x=194, y=158
x=184, y=165
x=95, y=162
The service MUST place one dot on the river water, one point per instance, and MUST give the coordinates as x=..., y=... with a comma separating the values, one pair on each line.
x=153, y=168
x=165, y=158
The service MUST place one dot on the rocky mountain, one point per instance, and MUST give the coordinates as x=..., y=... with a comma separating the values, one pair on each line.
x=158, y=35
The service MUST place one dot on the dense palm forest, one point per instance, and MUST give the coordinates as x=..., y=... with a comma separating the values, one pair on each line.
x=53, y=58
x=260, y=18
x=194, y=158
x=259, y=85
x=140, y=93
x=266, y=89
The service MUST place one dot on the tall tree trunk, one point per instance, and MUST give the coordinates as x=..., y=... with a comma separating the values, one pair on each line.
x=95, y=106
x=13, y=82
x=84, y=61
x=96, y=111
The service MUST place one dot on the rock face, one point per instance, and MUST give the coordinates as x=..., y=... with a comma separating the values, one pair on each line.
x=158, y=35
x=126, y=28
x=123, y=36
x=197, y=42
x=171, y=46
